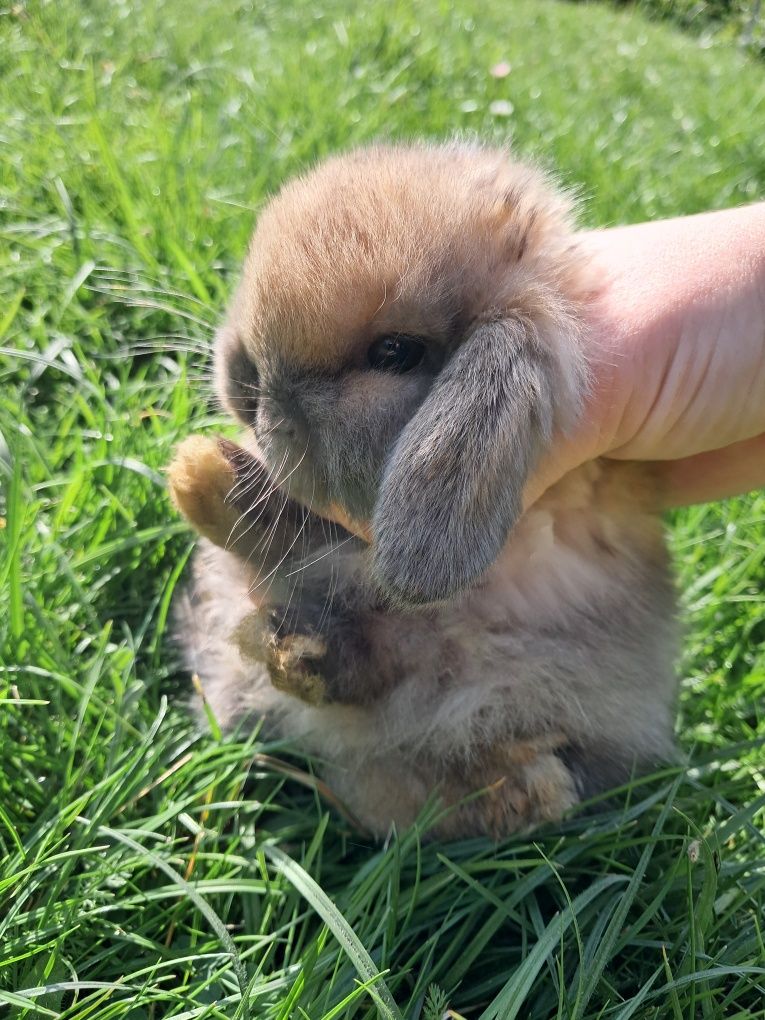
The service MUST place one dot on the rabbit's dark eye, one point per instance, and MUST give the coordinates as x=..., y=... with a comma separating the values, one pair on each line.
x=397, y=352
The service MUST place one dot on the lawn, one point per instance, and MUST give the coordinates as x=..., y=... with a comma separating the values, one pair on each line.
x=151, y=870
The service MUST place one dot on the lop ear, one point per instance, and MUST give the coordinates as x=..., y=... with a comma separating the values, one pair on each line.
x=452, y=489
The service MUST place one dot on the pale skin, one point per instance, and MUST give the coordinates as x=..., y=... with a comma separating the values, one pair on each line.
x=677, y=357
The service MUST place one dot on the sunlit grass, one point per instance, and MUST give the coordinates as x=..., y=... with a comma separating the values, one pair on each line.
x=149, y=870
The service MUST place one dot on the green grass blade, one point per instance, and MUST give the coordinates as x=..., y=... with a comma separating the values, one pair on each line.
x=507, y=1005
x=339, y=927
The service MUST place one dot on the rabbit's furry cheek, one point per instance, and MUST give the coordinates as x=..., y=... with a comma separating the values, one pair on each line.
x=357, y=431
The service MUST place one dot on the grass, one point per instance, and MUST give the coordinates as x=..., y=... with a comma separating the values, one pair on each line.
x=150, y=870
x=741, y=22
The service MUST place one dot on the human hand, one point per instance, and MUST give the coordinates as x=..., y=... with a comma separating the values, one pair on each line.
x=677, y=357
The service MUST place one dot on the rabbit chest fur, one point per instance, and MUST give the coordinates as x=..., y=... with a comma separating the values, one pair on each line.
x=407, y=368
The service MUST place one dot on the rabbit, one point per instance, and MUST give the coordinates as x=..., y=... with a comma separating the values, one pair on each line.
x=407, y=336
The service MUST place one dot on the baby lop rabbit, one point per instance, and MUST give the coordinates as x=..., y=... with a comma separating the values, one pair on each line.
x=406, y=339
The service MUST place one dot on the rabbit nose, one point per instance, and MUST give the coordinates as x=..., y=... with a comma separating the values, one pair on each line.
x=285, y=419
x=286, y=430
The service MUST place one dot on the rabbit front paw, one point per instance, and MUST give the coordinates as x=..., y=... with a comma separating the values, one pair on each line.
x=292, y=658
x=200, y=479
x=314, y=648
x=293, y=664
x=228, y=497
